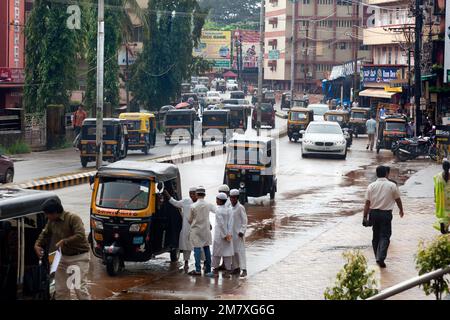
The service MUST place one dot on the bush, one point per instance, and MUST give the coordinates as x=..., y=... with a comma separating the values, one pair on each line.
x=354, y=281
x=434, y=256
x=18, y=147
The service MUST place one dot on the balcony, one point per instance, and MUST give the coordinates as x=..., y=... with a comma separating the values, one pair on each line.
x=379, y=36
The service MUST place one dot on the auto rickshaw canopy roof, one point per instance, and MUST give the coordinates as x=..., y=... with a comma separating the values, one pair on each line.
x=159, y=171
x=181, y=111
x=234, y=107
x=360, y=109
x=242, y=138
x=136, y=115
x=216, y=111
x=337, y=112
x=16, y=203
x=395, y=118
x=300, y=109
x=106, y=121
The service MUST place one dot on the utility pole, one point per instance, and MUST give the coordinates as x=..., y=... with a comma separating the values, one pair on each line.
x=293, y=41
x=355, y=51
x=260, y=66
x=306, y=69
x=100, y=62
x=126, y=78
x=417, y=61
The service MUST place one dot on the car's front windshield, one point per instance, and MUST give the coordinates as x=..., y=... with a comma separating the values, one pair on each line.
x=319, y=110
x=358, y=115
x=324, y=129
x=122, y=193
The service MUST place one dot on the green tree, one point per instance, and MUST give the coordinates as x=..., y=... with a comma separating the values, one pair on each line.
x=51, y=55
x=433, y=256
x=174, y=28
x=226, y=12
x=200, y=66
x=354, y=281
x=118, y=29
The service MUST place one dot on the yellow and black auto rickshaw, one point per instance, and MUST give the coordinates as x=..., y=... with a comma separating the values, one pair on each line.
x=251, y=166
x=285, y=100
x=358, y=118
x=141, y=130
x=301, y=103
x=215, y=124
x=298, y=120
x=22, y=274
x=129, y=219
x=390, y=130
x=342, y=117
x=179, y=125
x=238, y=117
x=115, y=140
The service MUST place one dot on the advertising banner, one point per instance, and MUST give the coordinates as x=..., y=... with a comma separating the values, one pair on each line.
x=447, y=44
x=250, y=48
x=215, y=46
x=373, y=74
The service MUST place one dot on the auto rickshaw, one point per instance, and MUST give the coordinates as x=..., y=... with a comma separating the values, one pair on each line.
x=251, y=166
x=185, y=98
x=22, y=274
x=298, y=120
x=130, y=221
x=285, y=100
x=342, y=117
x=215, y=124
x=185, y=87
x=238, y=116
x=390, y=130
x=141, y=130
x=115, y=140
x=179, y=125
x=221, y=85
x=301, y=103
x=358, y=118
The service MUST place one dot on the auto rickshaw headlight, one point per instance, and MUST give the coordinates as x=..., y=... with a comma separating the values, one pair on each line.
x=138, y=227
x=243, y=171
x=242, y=185
x=96, y=224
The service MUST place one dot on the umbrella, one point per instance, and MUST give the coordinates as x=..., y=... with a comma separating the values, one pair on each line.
x=182, y=105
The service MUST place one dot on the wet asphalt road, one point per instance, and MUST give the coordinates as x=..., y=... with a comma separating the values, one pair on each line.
x=313, y=194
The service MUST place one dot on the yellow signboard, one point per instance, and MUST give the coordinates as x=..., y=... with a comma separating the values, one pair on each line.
x=392, y=89
x=216, y=46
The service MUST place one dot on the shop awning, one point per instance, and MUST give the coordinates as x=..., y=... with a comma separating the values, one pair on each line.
x=376, y=93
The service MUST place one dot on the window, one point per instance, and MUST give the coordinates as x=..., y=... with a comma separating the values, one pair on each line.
x=274, y=22
x=390, y=55
x=342, y=45
x=306, y=1
x=274, y=3
x=396, y=55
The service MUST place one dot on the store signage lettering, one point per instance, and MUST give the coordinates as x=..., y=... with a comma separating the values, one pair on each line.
x=380, y=74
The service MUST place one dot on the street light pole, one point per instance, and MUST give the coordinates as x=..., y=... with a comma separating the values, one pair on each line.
x=417, y=60
x=293, y=40
x=100, y=62
x=260, y=66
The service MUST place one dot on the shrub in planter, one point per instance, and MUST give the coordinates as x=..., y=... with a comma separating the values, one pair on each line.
x=433, y=256
x=354, y=281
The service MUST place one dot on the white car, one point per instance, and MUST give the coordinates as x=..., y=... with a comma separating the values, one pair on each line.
x=232, y=85
x=319, y=110
x=200, y=90
x=212, y=97
x=324, y=138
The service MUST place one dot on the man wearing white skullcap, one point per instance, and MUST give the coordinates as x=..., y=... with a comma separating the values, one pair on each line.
x=239, y=228
x=222, y=241
x=200, y=233
x=225, y=189
x=185, y=205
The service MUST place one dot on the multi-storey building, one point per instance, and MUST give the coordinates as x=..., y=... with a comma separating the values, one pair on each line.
x=327, y=32
x=390, y=35
x=12, y=52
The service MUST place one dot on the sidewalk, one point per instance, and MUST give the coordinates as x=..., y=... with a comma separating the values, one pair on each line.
x=307, y=271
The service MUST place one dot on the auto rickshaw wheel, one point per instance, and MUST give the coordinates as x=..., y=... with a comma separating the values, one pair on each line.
x=145, y=149
x=272, y=193
x=203, y=142
x=174, y=255
x=84, y=162
x=378, y=149
x=356, y=134
x=167, y=142
x=113, y=265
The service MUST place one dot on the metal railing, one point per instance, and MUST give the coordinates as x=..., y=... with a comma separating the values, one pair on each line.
x=411, y=283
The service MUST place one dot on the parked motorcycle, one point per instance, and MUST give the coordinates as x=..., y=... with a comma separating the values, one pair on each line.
x=411, y=148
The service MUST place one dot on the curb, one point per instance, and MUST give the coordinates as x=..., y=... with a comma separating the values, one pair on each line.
x=82, y=178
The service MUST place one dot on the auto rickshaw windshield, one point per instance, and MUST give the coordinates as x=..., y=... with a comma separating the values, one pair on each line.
x=297, y=116
x=395, y=126
x=88, y=132
x=333, y=117
x=133, y=125
x=358, y=115
x=248, y=156
x=120, y=193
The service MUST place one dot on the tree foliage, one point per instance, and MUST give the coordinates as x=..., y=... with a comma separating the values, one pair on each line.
x=431, y=257
x=354, y=281
x=226, y=12
x=174, y=28
x=51, y=55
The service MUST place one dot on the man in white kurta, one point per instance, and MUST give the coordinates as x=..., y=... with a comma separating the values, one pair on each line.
x=185, y=205
x=200, y=233
x=239, y=228
x=225, y=189
x=222, y=241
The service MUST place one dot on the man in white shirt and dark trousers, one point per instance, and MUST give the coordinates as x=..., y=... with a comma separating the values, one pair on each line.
x=381, y=197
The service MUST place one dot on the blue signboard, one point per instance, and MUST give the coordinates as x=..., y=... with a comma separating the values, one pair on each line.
x=380, y=74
